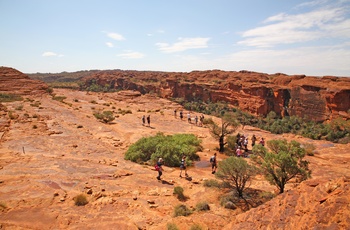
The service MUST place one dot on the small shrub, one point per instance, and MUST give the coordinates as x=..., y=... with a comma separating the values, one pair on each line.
x=179, y=192
x=266, y=195
x=105, y=116
x=93, y=102
x=182, y=210
x=123, y=111
x=35, y=104
x=3, y=206
x=309, y=149
x=12, y=115
x=171, y=226
x=35, y=126
x=59, y=98
x=49, y=90
x=76, y=100
x=212, y=183
x=79, y=126
x=228, y=201
x=80, y=200
x=196, y=227
x=20, y=107
x=202, y=206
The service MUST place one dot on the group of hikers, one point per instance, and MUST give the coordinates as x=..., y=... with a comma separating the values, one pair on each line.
x=197, y=120
x=241, y=148
x=242, y=143
x=183, y=166
x=148, y=118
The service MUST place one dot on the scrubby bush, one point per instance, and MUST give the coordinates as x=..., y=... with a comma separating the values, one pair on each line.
x=105, y=116
x=309, y=149
x=171, y=148
x=80, y=200
x=3, y=206
x=59, y=98
x=202, y=206
x=236, y=172
x=212, y=183
x=182, y=210
x=171, y=226
x=179, y=192
x=196, y=227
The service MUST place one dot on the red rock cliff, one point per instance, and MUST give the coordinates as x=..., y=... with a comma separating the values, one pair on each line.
x=15, y=82
x=315, y=98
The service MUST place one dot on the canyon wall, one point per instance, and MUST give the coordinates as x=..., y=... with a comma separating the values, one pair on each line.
x=314, y=98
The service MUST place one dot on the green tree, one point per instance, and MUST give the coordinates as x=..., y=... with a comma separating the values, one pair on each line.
x=228, y=126
x=282, y=163
x=169, y=147
x=236, y=172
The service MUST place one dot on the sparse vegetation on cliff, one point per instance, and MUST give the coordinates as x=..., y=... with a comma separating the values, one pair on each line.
x=10, y=97
x=337, y=130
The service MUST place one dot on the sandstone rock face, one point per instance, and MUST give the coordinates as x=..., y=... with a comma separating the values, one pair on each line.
x=315, y=204
x=314, y=98
x=15, y=82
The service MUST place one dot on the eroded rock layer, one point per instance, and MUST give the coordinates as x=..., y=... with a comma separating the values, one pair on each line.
x=15, y=82
x=315, y=98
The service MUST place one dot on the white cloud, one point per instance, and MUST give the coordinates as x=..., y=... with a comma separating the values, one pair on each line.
x=115, y=36
x=131, y=55
x=287, y=29
x=49, y=54
x=303, y=60
x=183, y=44
x=109, y=44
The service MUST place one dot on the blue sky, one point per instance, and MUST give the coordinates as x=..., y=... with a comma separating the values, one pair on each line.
x=270, y=36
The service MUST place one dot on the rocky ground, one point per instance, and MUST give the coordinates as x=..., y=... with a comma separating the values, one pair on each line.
x=52, y=151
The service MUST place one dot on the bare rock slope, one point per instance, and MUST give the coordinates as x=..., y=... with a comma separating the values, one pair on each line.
x=51, y=151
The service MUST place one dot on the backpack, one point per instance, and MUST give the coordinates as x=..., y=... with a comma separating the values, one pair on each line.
x=156, y=167
x=212, y=159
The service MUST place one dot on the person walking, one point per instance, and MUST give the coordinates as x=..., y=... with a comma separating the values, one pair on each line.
x=213, y=163
x=189, y=117
x=253, y=140
x=149, y=120
x=159, y=168
x=183, y=166
x=262, y=141
x=143, y=120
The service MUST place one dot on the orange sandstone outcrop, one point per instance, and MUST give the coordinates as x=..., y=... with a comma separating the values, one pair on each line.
x=315, y=98
x=15, y=82
x=315, y=204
